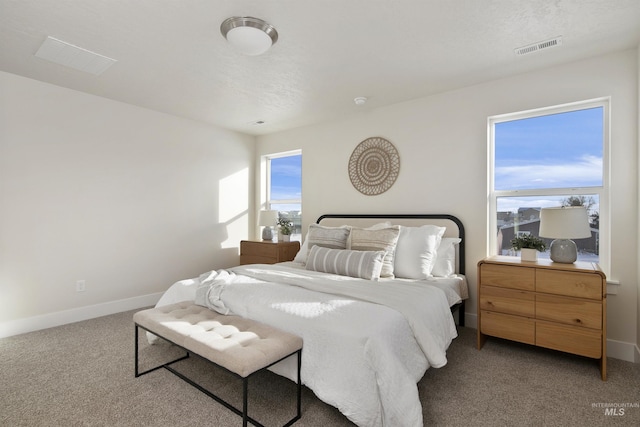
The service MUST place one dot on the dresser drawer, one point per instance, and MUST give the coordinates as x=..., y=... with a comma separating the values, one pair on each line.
x=508, y=277
x=583, y=285
x=570, y=311
x=510, y=327
x=508, y=301
x=572, y=339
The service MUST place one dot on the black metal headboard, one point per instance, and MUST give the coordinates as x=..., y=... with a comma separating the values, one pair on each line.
x=414, y=219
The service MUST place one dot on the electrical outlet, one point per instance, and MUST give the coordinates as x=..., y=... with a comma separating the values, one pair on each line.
x=80, y=286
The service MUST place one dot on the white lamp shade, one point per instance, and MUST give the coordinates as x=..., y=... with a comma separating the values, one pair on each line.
x=268, y=218
x=571, y=222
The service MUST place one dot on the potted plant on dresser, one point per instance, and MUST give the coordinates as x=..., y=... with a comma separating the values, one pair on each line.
x=529, y=246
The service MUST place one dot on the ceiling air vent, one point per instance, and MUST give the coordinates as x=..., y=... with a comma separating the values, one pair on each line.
x=524, y=50
x=75, y=57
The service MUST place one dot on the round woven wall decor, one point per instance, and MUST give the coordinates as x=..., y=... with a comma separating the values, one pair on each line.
x=374, y=166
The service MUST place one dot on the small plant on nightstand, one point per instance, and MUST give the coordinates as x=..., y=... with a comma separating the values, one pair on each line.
x=286, y=228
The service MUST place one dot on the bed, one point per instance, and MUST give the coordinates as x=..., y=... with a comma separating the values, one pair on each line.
x=372, y=324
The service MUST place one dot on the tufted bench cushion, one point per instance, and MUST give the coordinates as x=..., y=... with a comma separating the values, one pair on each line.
x=240, y=345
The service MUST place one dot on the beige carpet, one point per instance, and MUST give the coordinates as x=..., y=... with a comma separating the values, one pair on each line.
x=82, y=375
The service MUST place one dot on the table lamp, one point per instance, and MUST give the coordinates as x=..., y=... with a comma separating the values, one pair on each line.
x=268, y=219
x=564, y=224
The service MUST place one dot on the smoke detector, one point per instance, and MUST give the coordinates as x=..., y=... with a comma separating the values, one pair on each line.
x=360, y=100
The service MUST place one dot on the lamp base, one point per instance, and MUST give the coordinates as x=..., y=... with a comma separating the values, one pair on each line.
x=564, y=251
x=267, y=233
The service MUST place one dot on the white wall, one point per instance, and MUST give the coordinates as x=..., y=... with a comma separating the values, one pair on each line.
x=127, y=199
x=442, y=142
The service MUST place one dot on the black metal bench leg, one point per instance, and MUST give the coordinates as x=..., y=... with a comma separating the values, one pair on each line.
x=299, y=384
x=136, y=357
x=245, y=390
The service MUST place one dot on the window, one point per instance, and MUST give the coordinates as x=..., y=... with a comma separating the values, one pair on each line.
x=556, y=156
x=284, y=188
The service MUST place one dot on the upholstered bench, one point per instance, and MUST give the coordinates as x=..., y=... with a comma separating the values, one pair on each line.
x=241, y=346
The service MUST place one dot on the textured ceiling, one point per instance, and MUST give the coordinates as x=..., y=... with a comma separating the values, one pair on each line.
x=172, y=57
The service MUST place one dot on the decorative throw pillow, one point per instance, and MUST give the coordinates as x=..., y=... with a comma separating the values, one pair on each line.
x=377, y=226
x=416, y=251
x=302, y=254
x=384, y=239
x=445, y=264
x=327, y=237
x=362, y=264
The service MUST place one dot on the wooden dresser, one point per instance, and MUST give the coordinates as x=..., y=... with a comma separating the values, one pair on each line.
x=544, y=303
x=267, y=252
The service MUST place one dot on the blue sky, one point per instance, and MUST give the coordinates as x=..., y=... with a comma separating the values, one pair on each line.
x=286, y=177
x=562, y=150
x=554, y=151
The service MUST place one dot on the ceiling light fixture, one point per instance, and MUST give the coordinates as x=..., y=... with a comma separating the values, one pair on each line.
x=251, y=36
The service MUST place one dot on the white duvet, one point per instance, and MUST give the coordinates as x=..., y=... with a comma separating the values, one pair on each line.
x=366, y=343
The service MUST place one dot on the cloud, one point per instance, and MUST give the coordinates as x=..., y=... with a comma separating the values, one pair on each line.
x=586, y=172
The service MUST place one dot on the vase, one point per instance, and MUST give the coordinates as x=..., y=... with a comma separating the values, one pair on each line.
x=527, y=254
x=286, y=238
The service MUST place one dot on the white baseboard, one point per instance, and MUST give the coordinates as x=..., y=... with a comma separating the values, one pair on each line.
x=623, y=351
x=626, y=351
x=49, y=320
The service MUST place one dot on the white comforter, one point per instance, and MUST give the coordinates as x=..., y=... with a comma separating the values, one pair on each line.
x=366, y=344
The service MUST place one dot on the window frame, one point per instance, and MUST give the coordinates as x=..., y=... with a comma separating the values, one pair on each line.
x=602, y=191
x=265, y=186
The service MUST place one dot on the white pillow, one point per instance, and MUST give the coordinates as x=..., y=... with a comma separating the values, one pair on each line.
x=363, y=264
x=302, y=254
x=445, y=264
x=416, y=251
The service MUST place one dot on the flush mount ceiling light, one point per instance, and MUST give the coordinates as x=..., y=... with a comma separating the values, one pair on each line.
x=251, y=36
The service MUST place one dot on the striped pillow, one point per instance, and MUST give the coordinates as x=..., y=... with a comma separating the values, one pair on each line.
x=328, y=237
x=362, y=264
x=384, y=239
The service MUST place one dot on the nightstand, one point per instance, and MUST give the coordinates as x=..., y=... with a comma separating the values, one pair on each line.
x=546, y=304
x=267, y=252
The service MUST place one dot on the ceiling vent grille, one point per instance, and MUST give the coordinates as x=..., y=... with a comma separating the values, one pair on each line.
x=75, y=57
x=546, y=44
